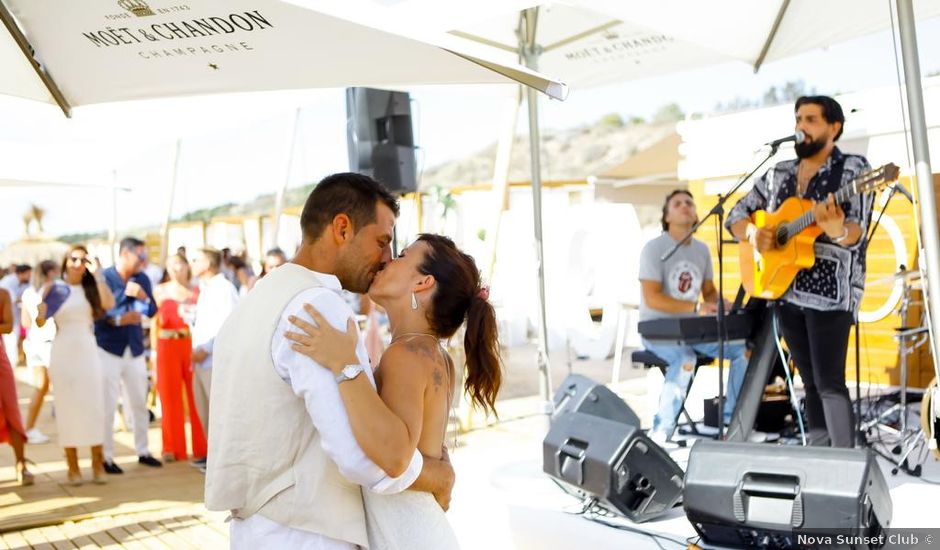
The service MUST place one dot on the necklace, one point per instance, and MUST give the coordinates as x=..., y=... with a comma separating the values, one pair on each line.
x=406, y=334
x=802, y=181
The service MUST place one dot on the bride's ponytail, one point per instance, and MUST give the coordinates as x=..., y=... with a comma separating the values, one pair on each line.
x=481, y=345
x=458, y=297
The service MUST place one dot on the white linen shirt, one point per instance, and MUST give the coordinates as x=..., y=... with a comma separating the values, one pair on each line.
x=217, y=299
x=320, y=391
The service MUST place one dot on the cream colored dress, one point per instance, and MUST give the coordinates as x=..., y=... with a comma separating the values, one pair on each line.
x=75, y=371
x=409, y=520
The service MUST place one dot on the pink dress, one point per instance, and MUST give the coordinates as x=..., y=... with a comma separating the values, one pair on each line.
x=10, y=419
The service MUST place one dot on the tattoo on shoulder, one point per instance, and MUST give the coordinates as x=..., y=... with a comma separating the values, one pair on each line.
x=419, y=348
x=438, y=377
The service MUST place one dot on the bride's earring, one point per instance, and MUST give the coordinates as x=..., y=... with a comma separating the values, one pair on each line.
x=414, y=301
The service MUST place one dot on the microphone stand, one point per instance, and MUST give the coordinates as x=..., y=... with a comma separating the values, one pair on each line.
x=719, y=211
x=860, y=438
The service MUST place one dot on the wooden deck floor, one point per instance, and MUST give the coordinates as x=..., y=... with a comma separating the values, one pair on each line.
x=144, y=508
x=177, y=529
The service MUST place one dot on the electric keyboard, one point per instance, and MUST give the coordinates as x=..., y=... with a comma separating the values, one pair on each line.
x=699, y=329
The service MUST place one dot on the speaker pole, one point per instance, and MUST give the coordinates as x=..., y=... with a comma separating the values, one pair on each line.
x=279, y=199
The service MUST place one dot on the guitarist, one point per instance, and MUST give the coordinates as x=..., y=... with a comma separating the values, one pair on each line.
x=819, y=308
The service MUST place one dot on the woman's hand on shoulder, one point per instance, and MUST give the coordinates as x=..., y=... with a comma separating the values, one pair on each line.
x=331, y=348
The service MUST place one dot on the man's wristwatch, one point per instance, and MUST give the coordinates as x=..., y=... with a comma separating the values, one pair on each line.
x=348, y=373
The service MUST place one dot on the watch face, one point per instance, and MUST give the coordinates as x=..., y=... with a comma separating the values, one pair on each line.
x=350, y=371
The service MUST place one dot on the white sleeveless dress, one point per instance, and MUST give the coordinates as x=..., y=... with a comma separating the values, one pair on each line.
x=410, y=520
x=75, y=371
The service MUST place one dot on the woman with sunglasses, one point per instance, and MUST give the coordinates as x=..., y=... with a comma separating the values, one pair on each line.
x=74, y=366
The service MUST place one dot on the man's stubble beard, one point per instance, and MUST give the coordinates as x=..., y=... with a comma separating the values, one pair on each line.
x=353, y=280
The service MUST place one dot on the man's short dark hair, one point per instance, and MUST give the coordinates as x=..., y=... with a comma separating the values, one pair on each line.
x=22, y=268
x=276, y=251
x=831, y=110
x=130, y=243
x=669, y=197
x=214, y=257
x=347, y=193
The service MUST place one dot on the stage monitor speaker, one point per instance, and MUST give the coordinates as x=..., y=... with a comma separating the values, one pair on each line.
x=613, y=462
x=581, y=394
x=751, y=495
x=380, y=139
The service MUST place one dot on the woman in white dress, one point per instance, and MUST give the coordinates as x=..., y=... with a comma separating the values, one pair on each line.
x=428, y=292
x=74, y=366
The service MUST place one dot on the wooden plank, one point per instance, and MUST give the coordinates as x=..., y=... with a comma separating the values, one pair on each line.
x=202, y=532
x=219, y=527
x=14, y=541
x=183, y=527
x=57, y=538
x=77, y=535
x=145, y=537
x=125, y=539
x=96, y=530
x=36, y=540
x=167, y=537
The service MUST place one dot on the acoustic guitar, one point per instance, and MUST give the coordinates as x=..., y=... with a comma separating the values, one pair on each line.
x=769, y=274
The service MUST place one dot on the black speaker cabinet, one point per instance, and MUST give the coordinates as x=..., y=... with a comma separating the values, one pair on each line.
x=751, y=495
x=581, y=394
x=613, y=462
x=380, y=138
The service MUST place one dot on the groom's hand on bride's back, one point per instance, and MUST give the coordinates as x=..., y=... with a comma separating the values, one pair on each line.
x=437, y=477
x=443, y=496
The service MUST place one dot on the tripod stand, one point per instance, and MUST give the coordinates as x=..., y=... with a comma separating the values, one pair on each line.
x=909, y=439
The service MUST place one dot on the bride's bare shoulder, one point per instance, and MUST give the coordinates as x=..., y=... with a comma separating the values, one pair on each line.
x=412, y=355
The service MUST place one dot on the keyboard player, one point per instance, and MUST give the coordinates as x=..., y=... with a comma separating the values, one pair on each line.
x=682, y=286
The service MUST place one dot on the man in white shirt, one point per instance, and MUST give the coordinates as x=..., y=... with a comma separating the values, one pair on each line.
x=217, y=299
x=299, y=495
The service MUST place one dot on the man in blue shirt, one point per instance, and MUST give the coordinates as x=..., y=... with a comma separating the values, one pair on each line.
x=121, y=347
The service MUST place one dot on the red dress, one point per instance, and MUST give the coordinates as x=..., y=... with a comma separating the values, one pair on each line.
x=175, y=373
x=10, y=419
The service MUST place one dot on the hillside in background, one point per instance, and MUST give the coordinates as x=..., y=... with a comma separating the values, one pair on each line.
x=566, y=154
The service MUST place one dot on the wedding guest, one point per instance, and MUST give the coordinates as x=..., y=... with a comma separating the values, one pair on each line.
x=11, y=424
x=176, y=302
x=37, y=346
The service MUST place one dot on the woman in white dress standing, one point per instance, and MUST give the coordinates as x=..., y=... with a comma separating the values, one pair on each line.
x=74, y=366
x=428, y=292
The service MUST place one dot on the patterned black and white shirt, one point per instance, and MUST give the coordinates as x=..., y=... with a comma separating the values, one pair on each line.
x=836, y=281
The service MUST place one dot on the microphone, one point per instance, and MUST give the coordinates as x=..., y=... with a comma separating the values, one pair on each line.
x=900, y=189
x=797, y=137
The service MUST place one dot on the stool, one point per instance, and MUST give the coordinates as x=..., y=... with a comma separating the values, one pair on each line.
x=650, y=360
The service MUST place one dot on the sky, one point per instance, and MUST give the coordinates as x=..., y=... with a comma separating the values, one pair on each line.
x=241, y=147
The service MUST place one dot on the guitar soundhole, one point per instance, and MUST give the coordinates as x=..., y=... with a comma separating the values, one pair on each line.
x=782, y=236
